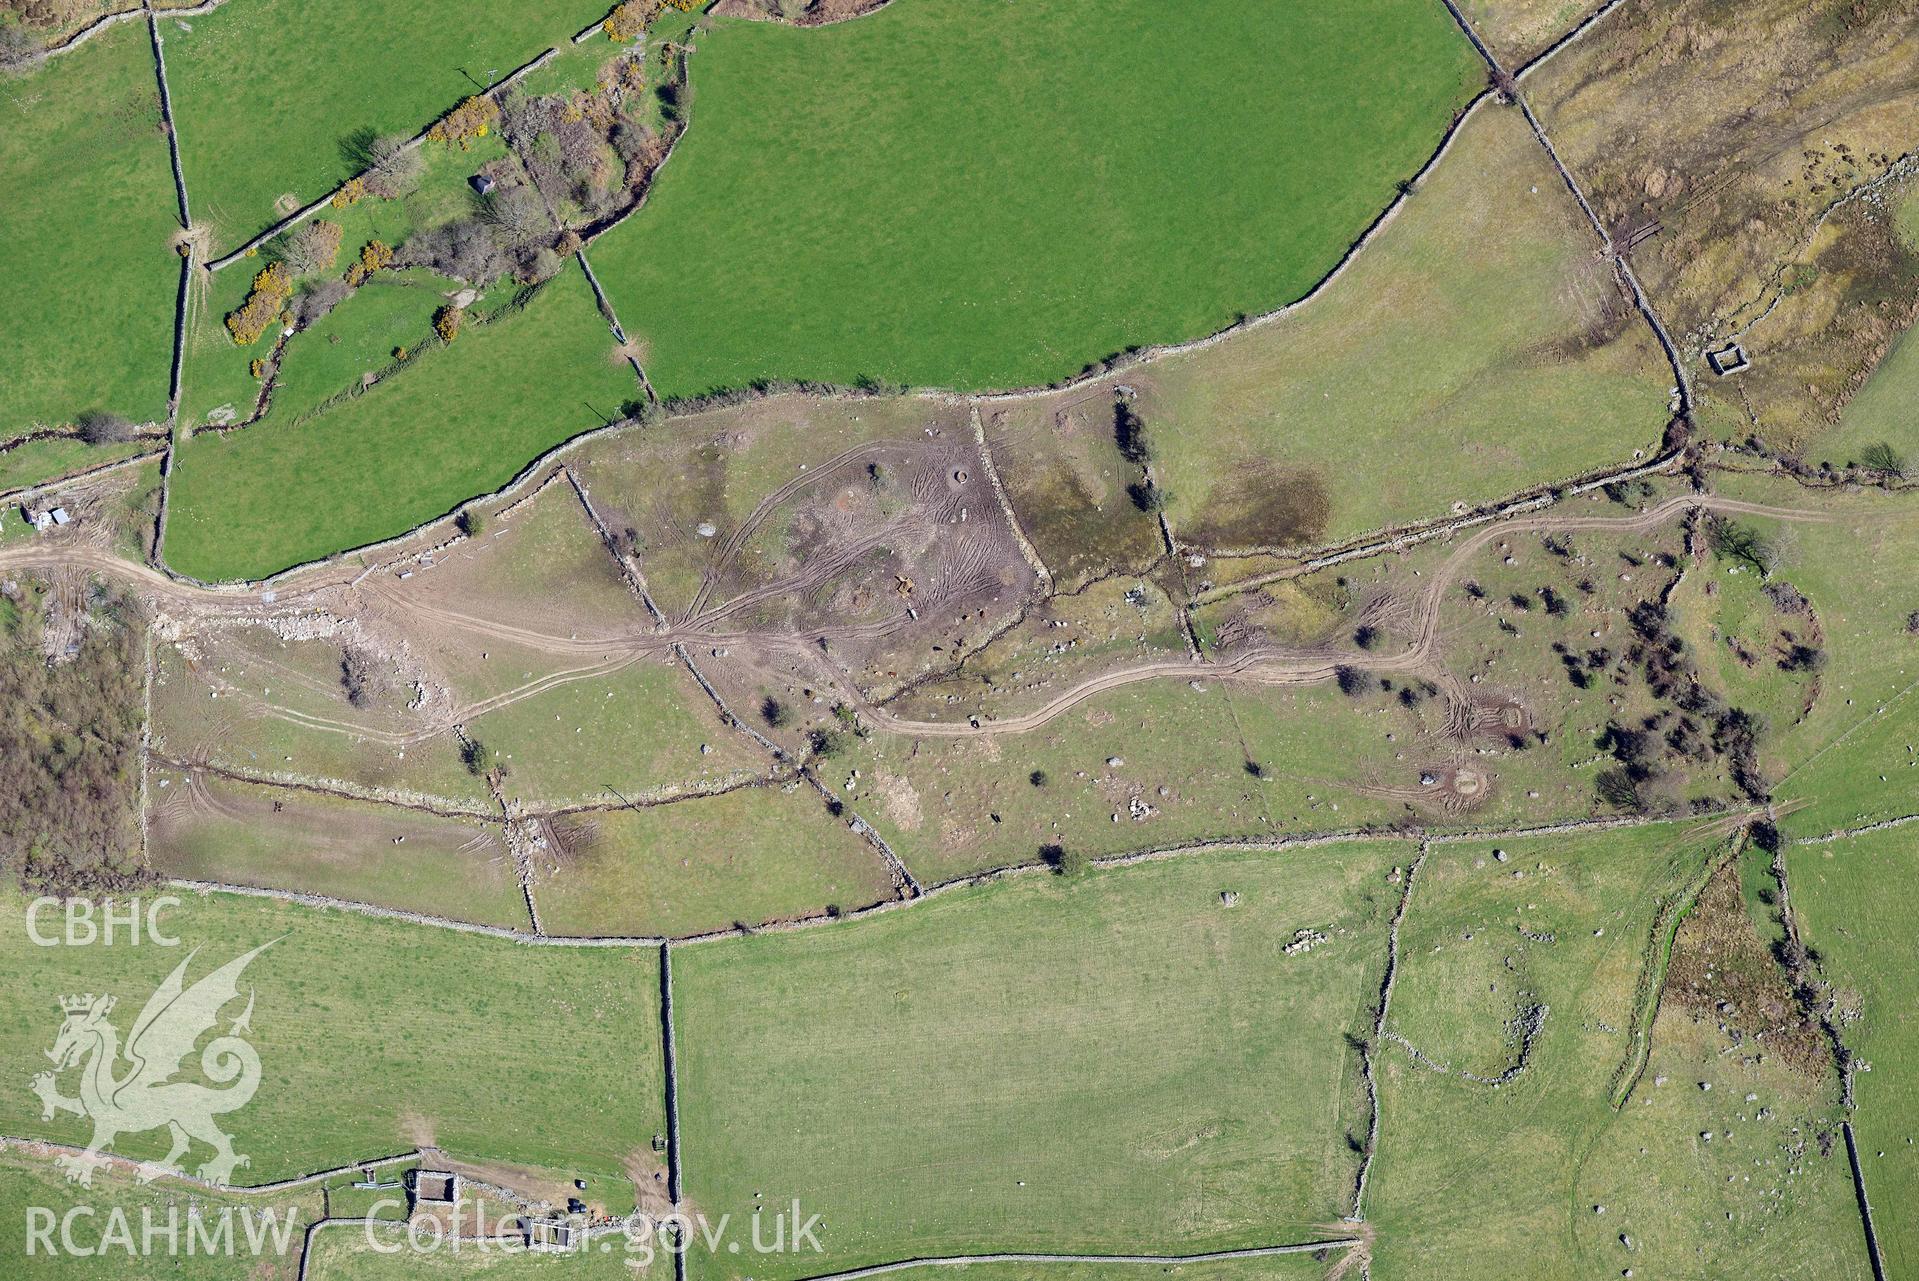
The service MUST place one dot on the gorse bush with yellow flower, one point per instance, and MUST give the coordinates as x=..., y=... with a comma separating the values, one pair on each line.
x=375, y=255
x=474, y=118
x=629, y=20
x=271, y=289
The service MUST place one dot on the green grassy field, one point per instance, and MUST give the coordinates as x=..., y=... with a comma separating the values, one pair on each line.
x=461, y=420
x=394, y=309
x=14, y=530
x=211, y=829
x=216, y=384
x=1116, y=1060
x=954, y=806
x=1741, y=637
x=1506, y=647
x=40, y=461
x=637, y=733
x=1067, y=483
x=357, y=337
x=1864, y=936
x=1760, y=1196
x=346, y=1201
x=271, y=93
x=986, y=199
x=716, y=467
x=374, y=1037
x=1519, y=29
x=753, y=855
x=1851, y=760
x=1882, y=412
x=347, y=1254
x=1477, y=335
x=1473, y=1181
x=1056, y=644
x=31, y=1186
x=86, y=318
x=210, y=706
x=1300, y=1267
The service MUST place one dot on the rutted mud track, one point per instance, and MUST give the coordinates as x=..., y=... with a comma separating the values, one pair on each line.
x=1264, y=666
x=1271, y=666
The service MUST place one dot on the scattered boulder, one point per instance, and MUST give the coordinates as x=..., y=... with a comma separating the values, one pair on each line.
x=1304, y=941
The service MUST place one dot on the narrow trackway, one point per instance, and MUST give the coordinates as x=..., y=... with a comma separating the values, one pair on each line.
x=1257, y=667
x=1283, y=667
x=1265, y=666
x=98, y=560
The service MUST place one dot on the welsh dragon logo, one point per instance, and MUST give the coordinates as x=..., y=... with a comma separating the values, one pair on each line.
x=130, y=1089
